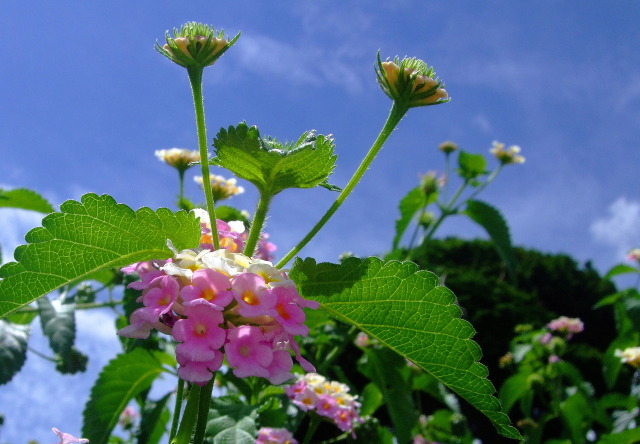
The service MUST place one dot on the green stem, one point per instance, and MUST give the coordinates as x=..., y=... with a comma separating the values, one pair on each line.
x=203, y=412
x=313, y=425
x=189, y=418
x=176, y=410
x=181, y=189
x=395, y=115
x=195, y=77
x=257, y=224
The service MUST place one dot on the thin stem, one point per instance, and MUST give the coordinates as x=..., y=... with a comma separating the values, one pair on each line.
x=313, y=425
x=189, y=418
x=203, y=412
x=176, y=410
x=181, y=179
x=195, y=77
x=395, y=115
x=42, y=355
x=490, y=178
x=257, y=224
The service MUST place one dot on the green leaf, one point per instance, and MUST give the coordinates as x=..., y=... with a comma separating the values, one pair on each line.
x=371, y=398
x=408, y=311
x=58, y=324
x=272, y=166
x=620, y=269
x=386, y=373
x=24, y=199
x=410, y=204
x=231, y=421
x=496, y=227
x=573, y=411
x=88, y=236
x=514, y=388
x=631, y=436
x=13, y=349
x=153, y=421
x=611, y=364
x=471, y=165
x=120, y=381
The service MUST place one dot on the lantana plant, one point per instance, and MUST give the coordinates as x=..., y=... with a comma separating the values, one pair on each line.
x=205, y=301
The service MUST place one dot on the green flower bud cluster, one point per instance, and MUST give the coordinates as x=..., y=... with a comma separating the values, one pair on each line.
x=195, y=45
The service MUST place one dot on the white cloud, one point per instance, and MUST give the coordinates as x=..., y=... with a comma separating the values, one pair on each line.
x=621, y=228
x=14, y=224
x=482, y=122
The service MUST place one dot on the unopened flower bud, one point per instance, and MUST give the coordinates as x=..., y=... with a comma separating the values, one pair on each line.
x=195, y=45
x=410, y=82
x=448, y=147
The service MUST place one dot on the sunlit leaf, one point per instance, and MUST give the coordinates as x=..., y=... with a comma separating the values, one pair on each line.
x=471, y=166
x=620, y=269
x=24, y=199
x=410, y=204
x=88, y=236
x=120, y=381
x=408, y=311
x=272, y=166
x=13, y=349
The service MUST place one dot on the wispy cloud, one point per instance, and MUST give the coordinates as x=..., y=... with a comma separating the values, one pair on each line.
x=620, y=229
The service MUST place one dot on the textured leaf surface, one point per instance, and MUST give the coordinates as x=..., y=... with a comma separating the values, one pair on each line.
x=272, y=166
x=24, y=199
x=120, y=380
x=231, y=422
x=13, y=349
x=85, y=237
x=406, y=310
x=496, y=227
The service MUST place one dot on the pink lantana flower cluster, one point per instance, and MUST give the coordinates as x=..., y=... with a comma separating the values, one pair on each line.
x=232, y=236
x=219, y=304
x=330, y=399
x=567, y=326
x=268, y=435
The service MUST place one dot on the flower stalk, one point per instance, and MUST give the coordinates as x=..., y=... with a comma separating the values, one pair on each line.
x=195, y=78
x=396, y=114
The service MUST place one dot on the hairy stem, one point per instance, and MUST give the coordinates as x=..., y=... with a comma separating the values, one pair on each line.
x=195, y=77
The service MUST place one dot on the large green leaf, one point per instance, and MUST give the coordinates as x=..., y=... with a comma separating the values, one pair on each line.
x=85, y=237
x=231, y=421
x=408, y=311
x=24, y=199
x=492, y=221
x=13, y=349
x=272, y=166
x=120, y=381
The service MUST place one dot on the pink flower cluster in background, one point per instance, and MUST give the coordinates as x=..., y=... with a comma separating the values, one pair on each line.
x=232, y=237
x=567, y=326
x=267, y=435
x=219, y=304
x=330, y=399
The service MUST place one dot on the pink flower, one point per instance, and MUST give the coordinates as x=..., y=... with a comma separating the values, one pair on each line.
x=287, y=312
x=247, y=352
x=267, y=435
x=199, y=333
x=198, y=372
x=66, y=438
x=161, y=294
x=566, y=325
x=254, y=298
x=141, y=321
x=210, y=285
x=280, y=367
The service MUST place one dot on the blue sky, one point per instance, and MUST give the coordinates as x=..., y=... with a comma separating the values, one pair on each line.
x=86, y=100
